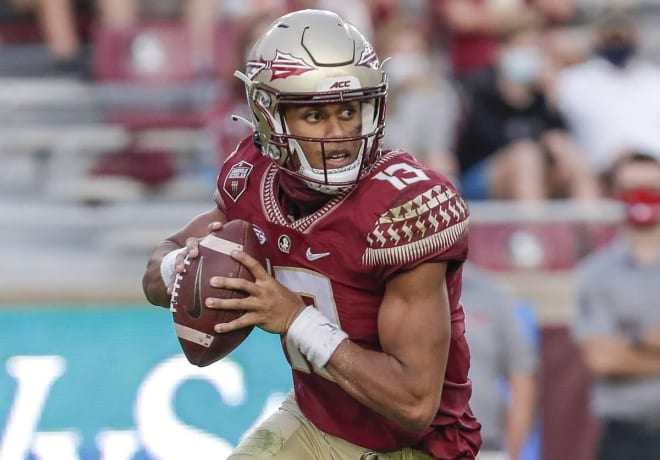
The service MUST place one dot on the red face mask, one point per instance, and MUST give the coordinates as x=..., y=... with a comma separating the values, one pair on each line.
x=642, y=206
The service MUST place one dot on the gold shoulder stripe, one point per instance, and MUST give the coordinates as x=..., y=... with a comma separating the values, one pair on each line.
x=432, y=220
x=417, y=249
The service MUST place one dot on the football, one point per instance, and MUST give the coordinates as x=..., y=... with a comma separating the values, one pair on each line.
x=193, y=321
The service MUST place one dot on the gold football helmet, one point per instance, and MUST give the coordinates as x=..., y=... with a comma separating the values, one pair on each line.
x=314, y=57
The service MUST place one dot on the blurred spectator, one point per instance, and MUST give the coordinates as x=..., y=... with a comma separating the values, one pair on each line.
x=225, y=128
x=244, y=11
x=57, y=22
x=504, y=365
x=566, y=41
x=618, y=319
x=611, y=102
x=512, y=144
x=556, y=11
x=473, y=27
x=357, y=12
x=383, y=11
x=564, y=45
x=201, y=16
x=422, y=105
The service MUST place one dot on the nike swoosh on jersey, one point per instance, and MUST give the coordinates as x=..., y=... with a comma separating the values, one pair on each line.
x=315, y=256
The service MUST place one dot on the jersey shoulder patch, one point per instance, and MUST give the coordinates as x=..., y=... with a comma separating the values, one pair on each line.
x=430, y=222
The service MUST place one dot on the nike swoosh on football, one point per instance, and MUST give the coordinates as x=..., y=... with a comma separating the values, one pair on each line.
x=315, y=256
x=196, y=310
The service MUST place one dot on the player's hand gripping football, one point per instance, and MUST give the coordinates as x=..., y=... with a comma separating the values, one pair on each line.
x=191, y=249
x=269, y=304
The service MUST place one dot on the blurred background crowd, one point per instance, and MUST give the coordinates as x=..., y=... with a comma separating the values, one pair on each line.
x=521, y=100
x=115, y=115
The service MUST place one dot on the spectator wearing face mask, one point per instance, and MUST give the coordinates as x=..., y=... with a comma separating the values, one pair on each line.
x=611, y=101
x=473, y=26
x=512, y=144
x=618, y=318
x=422, y=108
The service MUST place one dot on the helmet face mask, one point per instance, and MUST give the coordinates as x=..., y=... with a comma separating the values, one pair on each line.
x=313, y=57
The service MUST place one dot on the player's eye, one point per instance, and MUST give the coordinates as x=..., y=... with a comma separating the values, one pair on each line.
x=348, y=112
x=313, y=116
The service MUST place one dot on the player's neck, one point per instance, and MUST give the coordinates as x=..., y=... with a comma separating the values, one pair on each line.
x=645, y=246
x=298, y=200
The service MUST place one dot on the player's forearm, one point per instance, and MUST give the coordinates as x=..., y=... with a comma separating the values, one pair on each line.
x=153, y=284
x=520, y=413
x=639, y=364
x=617, y=357
x=404, y=381
x=382, y=383
x=649, y=339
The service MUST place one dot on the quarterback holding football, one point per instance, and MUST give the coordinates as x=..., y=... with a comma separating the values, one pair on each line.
x=364, y=250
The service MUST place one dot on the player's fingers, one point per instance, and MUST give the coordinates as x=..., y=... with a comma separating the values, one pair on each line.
x=237, y=284
x=242, y=321
x=215, y=225
x=257, y=270
x=221, y=304
x=180, y=264
x=192, y=247
x=226, y=304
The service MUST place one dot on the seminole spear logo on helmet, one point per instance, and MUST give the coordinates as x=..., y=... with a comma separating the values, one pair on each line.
x=368, y=58
x=283, y=66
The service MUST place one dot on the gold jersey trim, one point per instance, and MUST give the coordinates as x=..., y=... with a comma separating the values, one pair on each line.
x=274, y=212
x=431, y=221
x=417, y=249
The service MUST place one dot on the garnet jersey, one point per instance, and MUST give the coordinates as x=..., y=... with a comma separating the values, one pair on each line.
x=339, y=258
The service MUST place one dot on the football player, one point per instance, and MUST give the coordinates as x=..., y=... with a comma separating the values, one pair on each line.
x=366, y=248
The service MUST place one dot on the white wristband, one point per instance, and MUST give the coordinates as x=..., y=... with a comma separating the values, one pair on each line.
x=315, y=336
x=168, y=265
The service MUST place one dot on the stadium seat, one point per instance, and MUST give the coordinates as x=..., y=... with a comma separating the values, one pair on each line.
x=149, y=52
x=148, y=76
x=226, y=49
x=537, y=246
